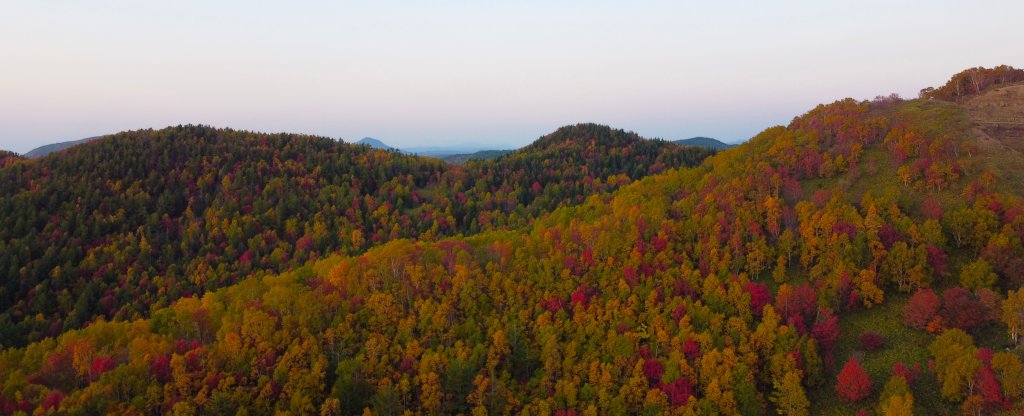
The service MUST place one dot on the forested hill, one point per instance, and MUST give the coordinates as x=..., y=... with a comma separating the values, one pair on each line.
x=116, y=225
x=119, y=225
x=863, y=258
x=593, y=147
x=563, y=167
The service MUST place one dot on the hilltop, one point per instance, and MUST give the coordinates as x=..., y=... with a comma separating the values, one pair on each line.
x=597, y=151
x=971, y=82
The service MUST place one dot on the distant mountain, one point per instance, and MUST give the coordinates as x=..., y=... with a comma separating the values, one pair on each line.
x=459, y=159
x=704, y=142
x=55, y=147
x=374, y=143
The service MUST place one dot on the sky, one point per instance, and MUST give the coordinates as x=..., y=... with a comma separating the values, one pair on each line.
x=477, y=73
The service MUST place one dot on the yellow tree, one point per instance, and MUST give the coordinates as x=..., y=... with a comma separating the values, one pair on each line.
x=899, y=406
x=1013, y=313
x=955, y=362
x=896, y=398
x=1010, y=373
x=789, y=396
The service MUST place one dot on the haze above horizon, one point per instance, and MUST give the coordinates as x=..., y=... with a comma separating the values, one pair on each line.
x=457, y=73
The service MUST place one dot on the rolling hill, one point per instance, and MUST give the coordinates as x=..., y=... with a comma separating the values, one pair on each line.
x=862, y=258
x=115, y=227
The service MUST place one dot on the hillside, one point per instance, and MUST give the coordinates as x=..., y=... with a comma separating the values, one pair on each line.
x=118, y=226
x=704, y=142
x=997, y=119
x=113, y=226
x=862, y=258
x=55, y=147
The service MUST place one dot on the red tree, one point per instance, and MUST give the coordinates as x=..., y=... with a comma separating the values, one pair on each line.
x=797, y=305
x=653, y=369
x=691, y=348
x=99, y=366
x=937, y=260
x=932, y=209
x=759, y=296
x=826, y=332
x=988, y=385
x=961, y=310
x=908, y=374
x=853, y=383
x=52, y=400
x=582, y=295
x=161, y=369
x=921, y=309
x=678, y=392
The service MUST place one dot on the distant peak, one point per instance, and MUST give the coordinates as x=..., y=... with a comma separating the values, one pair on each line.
x=581, y=127
x=56, y=147
x=704, y=142
x=374, y=143
x=584, y=132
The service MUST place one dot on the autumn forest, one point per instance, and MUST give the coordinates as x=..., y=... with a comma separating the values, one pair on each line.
x=867, y=258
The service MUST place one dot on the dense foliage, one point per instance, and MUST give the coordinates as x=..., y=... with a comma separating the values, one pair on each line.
x=117, y=226
x=722, y=289
x=8, y=158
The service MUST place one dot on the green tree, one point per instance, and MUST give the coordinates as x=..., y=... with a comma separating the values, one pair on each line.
x=977, y=274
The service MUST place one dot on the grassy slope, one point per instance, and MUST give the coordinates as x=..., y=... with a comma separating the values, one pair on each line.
x=903, y=344
x=877, y=175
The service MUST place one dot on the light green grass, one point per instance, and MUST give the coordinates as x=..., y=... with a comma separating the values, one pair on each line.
x=902, y=344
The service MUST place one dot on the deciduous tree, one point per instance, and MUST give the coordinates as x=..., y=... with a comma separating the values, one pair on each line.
x=853, y=383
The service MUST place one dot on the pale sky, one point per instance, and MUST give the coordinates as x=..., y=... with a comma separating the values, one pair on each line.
x=485, y=73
